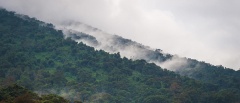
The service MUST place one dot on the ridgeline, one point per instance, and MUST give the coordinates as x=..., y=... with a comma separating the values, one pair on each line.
x=36, y=56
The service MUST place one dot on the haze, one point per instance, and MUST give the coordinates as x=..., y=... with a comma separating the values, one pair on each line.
x=206, y=30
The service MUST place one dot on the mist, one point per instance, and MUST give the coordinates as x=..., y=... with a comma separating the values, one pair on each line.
x=200, y=29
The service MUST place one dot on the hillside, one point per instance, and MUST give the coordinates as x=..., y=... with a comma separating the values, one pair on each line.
x=18, y=94
x=35, y=55
x=199, y=70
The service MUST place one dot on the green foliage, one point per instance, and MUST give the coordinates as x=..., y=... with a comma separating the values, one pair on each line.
x=52, y=98
x=218, y=75
x=18, y=94
x=35, y=55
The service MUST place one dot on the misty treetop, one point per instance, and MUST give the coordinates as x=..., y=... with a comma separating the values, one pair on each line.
x=192, y=68
x=36, y=56
x=17, y=94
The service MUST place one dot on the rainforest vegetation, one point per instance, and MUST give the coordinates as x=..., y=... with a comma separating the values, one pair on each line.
x=35, y=56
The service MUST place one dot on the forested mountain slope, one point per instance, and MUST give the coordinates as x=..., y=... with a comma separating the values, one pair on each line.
x=199, y=70
x=35, y=55
x=17, y=94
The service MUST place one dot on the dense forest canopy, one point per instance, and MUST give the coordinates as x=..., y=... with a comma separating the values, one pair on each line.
x=17, y=94
x=36, y=56
x=192, y=68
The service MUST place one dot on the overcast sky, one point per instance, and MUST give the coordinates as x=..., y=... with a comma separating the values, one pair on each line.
x=207, y=30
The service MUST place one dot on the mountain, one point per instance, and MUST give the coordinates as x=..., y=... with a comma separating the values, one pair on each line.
x=35, y=55
x=111, y=43
x=205, y=72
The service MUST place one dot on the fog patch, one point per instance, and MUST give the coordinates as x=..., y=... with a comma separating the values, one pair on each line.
x=65, y=93
x=111, y=43
x=101, y=40
x=175, y=63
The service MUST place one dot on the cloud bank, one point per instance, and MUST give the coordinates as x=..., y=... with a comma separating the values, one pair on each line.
x=206, y=30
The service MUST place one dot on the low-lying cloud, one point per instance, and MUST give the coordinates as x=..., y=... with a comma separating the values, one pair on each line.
x=206, y=30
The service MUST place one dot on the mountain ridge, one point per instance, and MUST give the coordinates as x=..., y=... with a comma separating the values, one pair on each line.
x=39, y=58
x=192, y=68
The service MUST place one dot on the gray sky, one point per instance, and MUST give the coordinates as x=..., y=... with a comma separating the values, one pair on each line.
x=206, y=30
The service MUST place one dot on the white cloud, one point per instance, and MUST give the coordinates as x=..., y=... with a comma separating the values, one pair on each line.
x=202, y=29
